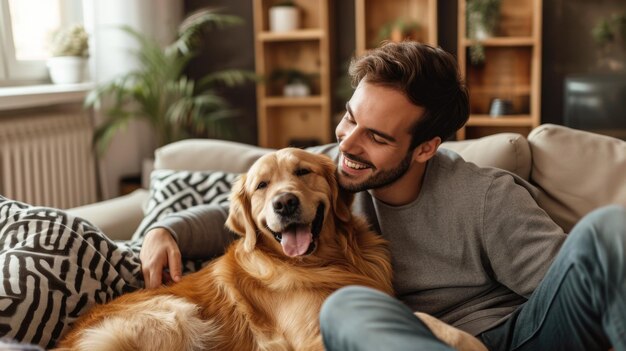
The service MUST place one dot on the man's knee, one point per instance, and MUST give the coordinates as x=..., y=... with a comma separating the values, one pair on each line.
x=341, y=305
x=605, y=224
x=601, y=236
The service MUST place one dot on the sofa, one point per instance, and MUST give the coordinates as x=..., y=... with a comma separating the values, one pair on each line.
x=575, y=171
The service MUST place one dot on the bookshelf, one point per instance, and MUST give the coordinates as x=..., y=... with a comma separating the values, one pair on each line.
x=511, y=70
x=288, y=120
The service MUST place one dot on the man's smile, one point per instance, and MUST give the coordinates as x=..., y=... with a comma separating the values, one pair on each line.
x=352, y=167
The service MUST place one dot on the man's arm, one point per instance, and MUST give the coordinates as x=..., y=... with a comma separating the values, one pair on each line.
x=198, y=232
x=520, y=239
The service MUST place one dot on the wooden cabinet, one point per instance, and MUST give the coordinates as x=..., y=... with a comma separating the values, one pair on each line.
x=286, y=120
x=381, y=19
x=510, y=74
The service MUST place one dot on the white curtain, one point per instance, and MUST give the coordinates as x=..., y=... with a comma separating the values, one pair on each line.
x=111, y=56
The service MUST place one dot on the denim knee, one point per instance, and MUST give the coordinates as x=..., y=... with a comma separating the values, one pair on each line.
x=604, y=227
x=340, y=306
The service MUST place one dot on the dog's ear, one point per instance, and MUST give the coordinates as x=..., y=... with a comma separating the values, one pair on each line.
x=341, y=199
x=239, y=216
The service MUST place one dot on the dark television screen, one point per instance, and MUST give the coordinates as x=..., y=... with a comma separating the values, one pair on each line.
x=596, y=103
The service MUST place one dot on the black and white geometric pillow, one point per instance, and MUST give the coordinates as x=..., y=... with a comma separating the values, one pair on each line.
x=172, y=191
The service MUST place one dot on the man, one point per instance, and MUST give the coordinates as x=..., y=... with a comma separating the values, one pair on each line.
x=469, y=245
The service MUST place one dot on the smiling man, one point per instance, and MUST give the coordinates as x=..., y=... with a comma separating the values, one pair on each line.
x=469, y=245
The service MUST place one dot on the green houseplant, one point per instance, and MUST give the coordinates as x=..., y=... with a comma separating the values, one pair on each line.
x=294, y=82
x=482, y=18
x=69, y=49
x=609, y=34
x=175, y=106
x=398, y=30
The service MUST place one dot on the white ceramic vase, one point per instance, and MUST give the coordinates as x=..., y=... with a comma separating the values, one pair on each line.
x=296, y=89
x=67, y=69
x=284, y=18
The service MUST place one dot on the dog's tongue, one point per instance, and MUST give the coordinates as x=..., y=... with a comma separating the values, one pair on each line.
x=296, y=241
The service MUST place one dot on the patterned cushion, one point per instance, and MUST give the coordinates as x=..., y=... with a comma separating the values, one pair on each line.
x=54, y=267
x=172, y=191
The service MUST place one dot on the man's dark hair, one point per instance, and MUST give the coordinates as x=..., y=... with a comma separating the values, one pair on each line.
x=428, y=76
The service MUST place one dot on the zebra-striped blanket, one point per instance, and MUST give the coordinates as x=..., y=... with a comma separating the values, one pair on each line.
x=55, y=266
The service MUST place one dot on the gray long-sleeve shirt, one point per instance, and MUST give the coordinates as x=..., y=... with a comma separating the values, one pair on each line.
x=469, y=250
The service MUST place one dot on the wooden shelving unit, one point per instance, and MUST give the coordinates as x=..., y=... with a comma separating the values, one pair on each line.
x=372, y=15
x=294, y=121
x=511, y=71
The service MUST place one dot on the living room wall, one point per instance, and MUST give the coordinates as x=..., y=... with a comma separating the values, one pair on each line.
x=568, y=47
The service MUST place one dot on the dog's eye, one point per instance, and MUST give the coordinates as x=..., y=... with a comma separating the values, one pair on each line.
x=261, y=185
x=302, y=171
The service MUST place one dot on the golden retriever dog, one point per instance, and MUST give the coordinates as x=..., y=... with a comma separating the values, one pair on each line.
x=299, y=243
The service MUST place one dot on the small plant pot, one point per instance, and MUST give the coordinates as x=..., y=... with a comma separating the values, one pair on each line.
x=284, y=18
x=297, y=89
x=67, y=69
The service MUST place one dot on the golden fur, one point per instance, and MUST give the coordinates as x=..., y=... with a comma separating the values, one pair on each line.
x=256, y=296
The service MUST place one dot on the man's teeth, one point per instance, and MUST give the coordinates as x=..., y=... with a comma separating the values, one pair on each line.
x=354, y=165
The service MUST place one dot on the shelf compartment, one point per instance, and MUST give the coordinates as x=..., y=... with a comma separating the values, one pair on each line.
x=309, y=13
x=372, y=15
x=516, y=18
x=302, y=124
x=506, y=74
x=303, y=56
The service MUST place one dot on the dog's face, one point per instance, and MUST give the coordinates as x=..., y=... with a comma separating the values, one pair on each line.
x=284, y=202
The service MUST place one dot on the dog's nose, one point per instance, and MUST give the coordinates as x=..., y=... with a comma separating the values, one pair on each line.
x=285, y=204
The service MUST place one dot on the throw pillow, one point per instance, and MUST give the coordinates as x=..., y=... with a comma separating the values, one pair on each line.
x=172, y=191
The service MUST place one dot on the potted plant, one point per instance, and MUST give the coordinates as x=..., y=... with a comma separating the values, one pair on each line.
x=398, y=30
x=609, y=33
x=284, y=17
x=482, y=18
x=69, y=48
x=295, y=82
x=159, y=91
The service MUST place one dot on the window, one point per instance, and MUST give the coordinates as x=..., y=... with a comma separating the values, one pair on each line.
x=25, y=27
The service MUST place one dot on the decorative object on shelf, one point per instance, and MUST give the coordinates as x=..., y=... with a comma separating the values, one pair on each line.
x=69, y=48
x=295, y=82
x=398, y=30
x=500, y=107
x=482, y=18
x=610, y=36
x=284, y=17
x=175, y=106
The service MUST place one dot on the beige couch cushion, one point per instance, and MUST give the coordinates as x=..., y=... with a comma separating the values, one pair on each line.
x=207, y=155
x=509, y=151
x=578, y=171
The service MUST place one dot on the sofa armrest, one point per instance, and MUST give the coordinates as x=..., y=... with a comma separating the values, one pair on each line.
x=118, y=218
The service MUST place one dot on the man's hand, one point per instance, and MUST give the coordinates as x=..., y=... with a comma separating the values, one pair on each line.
x=159, y=251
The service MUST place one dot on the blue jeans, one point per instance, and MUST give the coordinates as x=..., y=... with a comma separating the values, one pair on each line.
x=579, y=305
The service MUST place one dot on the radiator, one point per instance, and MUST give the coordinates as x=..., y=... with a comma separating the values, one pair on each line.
x=48, y=160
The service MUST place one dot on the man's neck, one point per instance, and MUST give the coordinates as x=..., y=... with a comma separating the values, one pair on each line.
x=404, y=190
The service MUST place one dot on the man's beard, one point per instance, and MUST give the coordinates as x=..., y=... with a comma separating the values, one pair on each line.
x=381, y=179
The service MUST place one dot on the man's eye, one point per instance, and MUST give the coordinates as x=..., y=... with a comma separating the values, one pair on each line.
x=302, y=171
x=261, y=185
x=377, y=139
